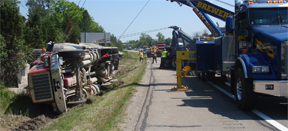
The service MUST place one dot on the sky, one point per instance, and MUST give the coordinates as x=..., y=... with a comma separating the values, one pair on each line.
x=116, y=15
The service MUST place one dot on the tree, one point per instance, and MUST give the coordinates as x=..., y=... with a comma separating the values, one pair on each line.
x=115, y=42
x=12, y=44
x=160, y=37
x=86, y=22
x=95, y=27
x=41, y=7
x=168, y=41
x=74, y=34
x=66, y=14
x=40, y=27
x=144, y=40
x=35, y=36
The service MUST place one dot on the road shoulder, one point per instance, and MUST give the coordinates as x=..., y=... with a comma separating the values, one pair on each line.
x=136, y=103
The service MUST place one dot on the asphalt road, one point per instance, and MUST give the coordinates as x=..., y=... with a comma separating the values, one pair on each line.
x=202, y=107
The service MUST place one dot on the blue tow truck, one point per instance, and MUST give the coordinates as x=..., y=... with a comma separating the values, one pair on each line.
x=252, y=54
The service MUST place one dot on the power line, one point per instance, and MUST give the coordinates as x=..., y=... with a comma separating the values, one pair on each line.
x=23, y=6
x=83, y=3
x=225, y=3
x=148, y=31
x=133, y=20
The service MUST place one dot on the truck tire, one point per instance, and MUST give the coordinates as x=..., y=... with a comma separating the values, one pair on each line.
x=75, y=54
x=110, y=50
x=202, y=76
x=173, y=62
x=243, y=92
x=115, y=56
x=114, y=50
x=166, y=64
x=209, y=76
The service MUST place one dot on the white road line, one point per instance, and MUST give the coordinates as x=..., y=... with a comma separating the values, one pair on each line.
x=270, y=120
x=225, y=92
x=258, y=113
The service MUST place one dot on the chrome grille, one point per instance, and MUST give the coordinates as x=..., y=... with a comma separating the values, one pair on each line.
x=284, y=60
x=41, y=87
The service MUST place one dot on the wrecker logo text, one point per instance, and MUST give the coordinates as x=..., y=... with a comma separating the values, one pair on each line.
x=213, y=10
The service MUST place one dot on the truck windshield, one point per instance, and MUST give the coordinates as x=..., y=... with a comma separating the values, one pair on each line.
x=153, y=43
x=274, y=16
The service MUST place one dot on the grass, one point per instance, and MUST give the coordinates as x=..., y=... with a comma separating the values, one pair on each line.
x=108, y=110
x=16, y=108
x=6, y=98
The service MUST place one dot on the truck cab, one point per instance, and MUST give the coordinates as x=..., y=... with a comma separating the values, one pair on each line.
x=261, y=50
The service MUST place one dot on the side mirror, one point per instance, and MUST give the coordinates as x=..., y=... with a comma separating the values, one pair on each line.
x=229, y=25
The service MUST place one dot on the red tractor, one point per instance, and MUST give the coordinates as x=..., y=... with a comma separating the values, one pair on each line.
x=67, y=73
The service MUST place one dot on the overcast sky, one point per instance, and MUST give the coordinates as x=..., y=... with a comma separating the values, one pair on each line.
x=116, y=15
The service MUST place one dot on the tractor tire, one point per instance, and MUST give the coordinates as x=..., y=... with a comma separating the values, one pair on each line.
x=243, y=92
x=110, y=50
x=75, y=54
x=115, y=56
x=114, y=50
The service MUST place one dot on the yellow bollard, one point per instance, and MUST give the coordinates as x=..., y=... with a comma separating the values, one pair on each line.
x=182, y=55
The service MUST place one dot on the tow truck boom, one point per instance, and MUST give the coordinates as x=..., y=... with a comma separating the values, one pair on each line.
x=202, y=8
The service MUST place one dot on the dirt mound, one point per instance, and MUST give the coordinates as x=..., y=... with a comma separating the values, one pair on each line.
x=35, y=124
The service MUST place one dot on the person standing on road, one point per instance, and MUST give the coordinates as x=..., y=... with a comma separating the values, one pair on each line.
x=141, y=56
x=154, y=55
x=163, y=58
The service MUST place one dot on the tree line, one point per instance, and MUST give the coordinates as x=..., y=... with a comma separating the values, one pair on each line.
x=144, y=40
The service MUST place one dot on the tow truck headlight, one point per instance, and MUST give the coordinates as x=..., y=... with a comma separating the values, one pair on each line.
x=46, y=61
x=260, y=69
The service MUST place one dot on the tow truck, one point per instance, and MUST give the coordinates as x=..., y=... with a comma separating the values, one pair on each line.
x=252, y=54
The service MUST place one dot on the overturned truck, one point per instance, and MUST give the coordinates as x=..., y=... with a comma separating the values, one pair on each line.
x=68, y=73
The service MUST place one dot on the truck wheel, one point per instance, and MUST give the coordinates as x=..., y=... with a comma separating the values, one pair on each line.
x=198, y=74
x=202, y=76
x=105, y=50
x=166, y=64
x=115, y=56
x=114, y=50
x=244, y=95
x=209, y=76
